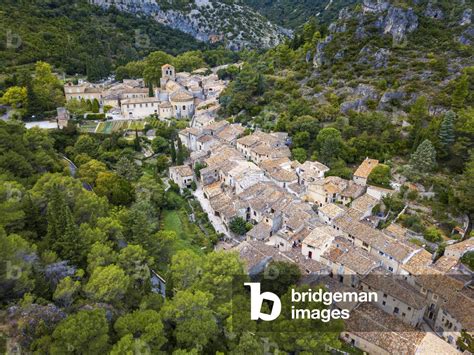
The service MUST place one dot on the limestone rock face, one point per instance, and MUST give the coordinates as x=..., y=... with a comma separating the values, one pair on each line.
x=319, y=57
x=209, y=21
x=434, y=12
x=375, y=6
x=466, y=17
x=399, y=23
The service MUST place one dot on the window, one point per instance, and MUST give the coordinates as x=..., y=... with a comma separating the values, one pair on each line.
x=384, y=303
x=435, y=297
x=384, y=295
x=396, y=310
x=409, y=308
x=423, y=291
x=390, y=268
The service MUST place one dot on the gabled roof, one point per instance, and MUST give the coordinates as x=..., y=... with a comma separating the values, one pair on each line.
x=366, y=168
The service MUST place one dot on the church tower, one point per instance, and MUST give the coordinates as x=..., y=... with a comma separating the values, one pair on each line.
x=168, y=72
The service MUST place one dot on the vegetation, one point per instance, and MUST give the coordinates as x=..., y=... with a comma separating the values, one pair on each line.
x=79, y=38
x=293, y=13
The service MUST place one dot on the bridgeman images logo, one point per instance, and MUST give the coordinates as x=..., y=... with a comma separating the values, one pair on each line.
x=318, y=296
x=256, y=302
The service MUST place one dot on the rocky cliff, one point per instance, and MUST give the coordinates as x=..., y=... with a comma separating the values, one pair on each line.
x=235, y=25
x=383, y=54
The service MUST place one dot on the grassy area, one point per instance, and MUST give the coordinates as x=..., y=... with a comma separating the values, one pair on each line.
x=188, y=234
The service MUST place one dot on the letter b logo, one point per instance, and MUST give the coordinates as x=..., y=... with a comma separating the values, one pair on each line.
x=256, y=301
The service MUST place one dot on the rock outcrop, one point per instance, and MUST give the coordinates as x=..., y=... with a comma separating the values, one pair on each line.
x=235, y=25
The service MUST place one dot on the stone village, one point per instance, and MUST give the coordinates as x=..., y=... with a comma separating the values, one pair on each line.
x=323, y=224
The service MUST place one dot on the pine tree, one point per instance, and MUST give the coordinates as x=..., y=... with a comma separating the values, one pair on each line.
x=461, y=91
x=446, y=131
x=424, y=159
x=150, y=90
x=62, y=235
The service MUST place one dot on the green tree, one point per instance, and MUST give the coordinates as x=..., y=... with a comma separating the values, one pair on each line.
x=47, y=87
x=134, y=260
x=464, y=192
x=127, y=169
x=186, y=267
x=299, y=154
x=11, y=212
x=107, y=284
x=15, y=97
x=100, y=255
x=238, y=226
x=417, y=117
x=330, y=144
x=160, y=145
x=189, y=61
x=433, y=235
x=144, y=325
x=446, y=130
x=62, y=235
x=424, y=158
x=17, y=277
x=180, y=153
x=85, y=332
x=95, y=106
x=248, y=344
x=194, y=324
x=162, y=163
x=153, y=64
x=117, y=190
x=461, y=91
x=128, y=345
x=66, y=290
x=89, y=171
x=380, y=175
x=85, y=144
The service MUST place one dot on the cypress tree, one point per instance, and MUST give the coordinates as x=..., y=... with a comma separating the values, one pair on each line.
x=150, y=90
x=173, y=152
x=180, y=153
x=136, y=142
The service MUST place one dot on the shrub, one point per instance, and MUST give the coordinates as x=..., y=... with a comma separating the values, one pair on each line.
x=433, y=235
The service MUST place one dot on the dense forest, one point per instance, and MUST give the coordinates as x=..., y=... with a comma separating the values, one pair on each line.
x=79, y=38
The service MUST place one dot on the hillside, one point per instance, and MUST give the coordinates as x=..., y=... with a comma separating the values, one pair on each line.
x=292, y=13
x=80, y=38
x=229, y=22
x=384, y=76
